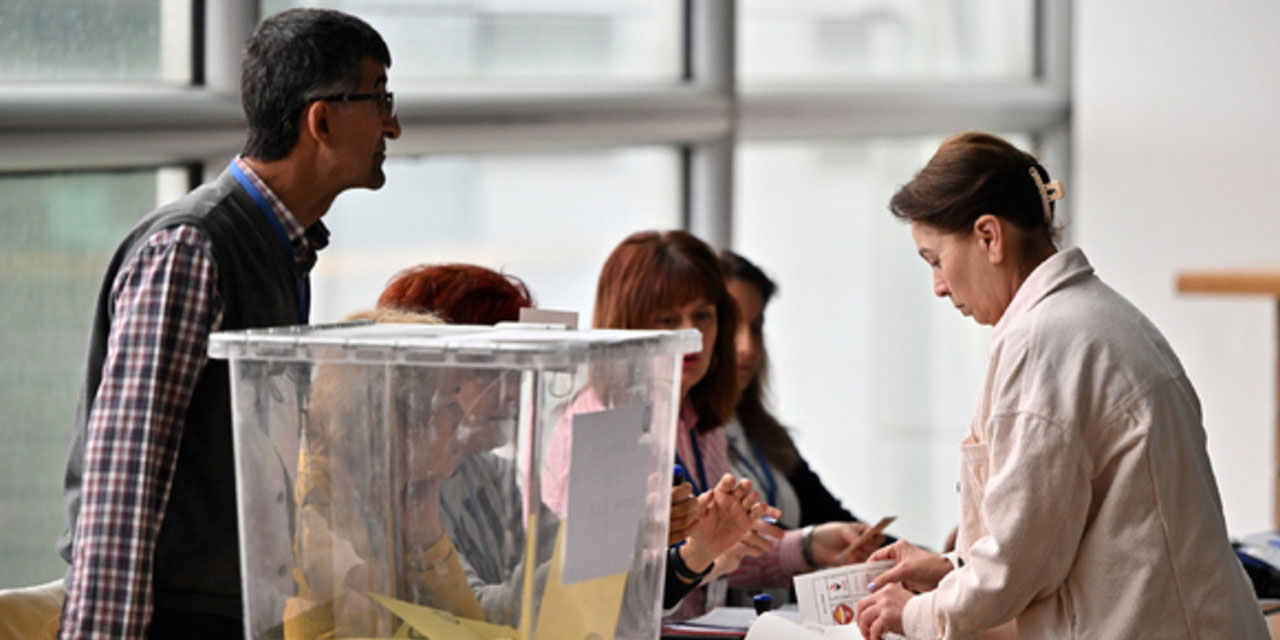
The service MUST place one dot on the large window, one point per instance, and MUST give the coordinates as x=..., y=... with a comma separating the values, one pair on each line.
x=59, y=231
x=95, y=41
x=537, y=134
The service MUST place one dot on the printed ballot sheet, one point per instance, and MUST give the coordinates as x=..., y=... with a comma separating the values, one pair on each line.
x=607, y=485
x=830, y=596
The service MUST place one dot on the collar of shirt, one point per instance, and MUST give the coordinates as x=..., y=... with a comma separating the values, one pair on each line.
x=1057, y=271
x=306, y=242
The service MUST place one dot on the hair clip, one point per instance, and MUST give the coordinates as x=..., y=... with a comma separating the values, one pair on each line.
x=1048, y=192
x=1054, y=190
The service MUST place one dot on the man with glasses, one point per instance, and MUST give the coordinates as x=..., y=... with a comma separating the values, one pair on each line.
x=150, y=484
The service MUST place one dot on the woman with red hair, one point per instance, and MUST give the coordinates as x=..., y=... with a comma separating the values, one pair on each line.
x=458, y=293
x=672, y=280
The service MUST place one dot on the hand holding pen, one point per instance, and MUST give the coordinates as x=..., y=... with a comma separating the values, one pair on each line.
x=837, y=543
x=866, y=543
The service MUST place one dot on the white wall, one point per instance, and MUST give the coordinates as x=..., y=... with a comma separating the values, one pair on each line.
x=1176, y=132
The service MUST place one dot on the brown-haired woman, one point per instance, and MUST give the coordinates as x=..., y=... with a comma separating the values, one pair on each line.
x=1088, y=506
x=672, y=280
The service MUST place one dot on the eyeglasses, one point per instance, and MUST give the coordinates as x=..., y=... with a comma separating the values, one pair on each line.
x=385, y=100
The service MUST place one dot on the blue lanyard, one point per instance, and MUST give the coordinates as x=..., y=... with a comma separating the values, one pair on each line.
x=762, y=472
x=697, y=456
x=303, y=293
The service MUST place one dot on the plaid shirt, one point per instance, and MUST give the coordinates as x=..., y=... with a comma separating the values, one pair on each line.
x=165, y=303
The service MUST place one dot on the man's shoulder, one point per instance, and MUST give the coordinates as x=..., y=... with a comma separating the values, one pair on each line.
x=201, y=209
x=196, y=205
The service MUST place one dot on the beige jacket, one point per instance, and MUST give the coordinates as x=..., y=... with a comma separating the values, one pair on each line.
x=1088, y=507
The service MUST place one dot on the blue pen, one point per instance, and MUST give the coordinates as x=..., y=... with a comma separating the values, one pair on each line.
x=680, y=475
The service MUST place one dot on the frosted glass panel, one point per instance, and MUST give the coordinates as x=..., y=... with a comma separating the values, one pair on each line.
x=885, y=40
x=57, y=234
x=462, y=41
x=95, y=40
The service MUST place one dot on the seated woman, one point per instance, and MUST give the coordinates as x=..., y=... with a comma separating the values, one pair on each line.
x=1088, y=508
x=672, y=280
x=479, y=508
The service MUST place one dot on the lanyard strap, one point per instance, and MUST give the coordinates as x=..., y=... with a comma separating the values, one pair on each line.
x=300, y=289
x=763, y=472
x=701, y=484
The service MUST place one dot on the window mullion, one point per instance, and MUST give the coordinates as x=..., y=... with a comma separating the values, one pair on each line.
x=709, y=166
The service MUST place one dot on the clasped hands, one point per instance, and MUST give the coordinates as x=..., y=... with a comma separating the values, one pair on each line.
x=715, y=524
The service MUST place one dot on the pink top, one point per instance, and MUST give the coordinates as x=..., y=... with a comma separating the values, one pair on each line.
x=772, y=569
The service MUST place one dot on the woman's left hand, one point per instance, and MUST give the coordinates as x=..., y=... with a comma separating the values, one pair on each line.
x=685, y=511
x=832, y=539
x=882, y=611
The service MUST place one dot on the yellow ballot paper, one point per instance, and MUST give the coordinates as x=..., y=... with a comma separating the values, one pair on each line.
x=442, y=625
x=586, y=609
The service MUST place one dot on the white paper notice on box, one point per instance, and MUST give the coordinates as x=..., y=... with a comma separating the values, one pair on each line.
x=830, y=596
x=607, y=491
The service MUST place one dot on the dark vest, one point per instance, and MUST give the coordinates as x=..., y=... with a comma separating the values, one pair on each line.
x=196, y=565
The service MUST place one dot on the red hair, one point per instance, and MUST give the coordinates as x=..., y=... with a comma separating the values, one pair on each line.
x=651, y=272
x=458, y=293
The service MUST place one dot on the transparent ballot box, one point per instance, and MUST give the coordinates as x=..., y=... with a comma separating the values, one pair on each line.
x=415, y=480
